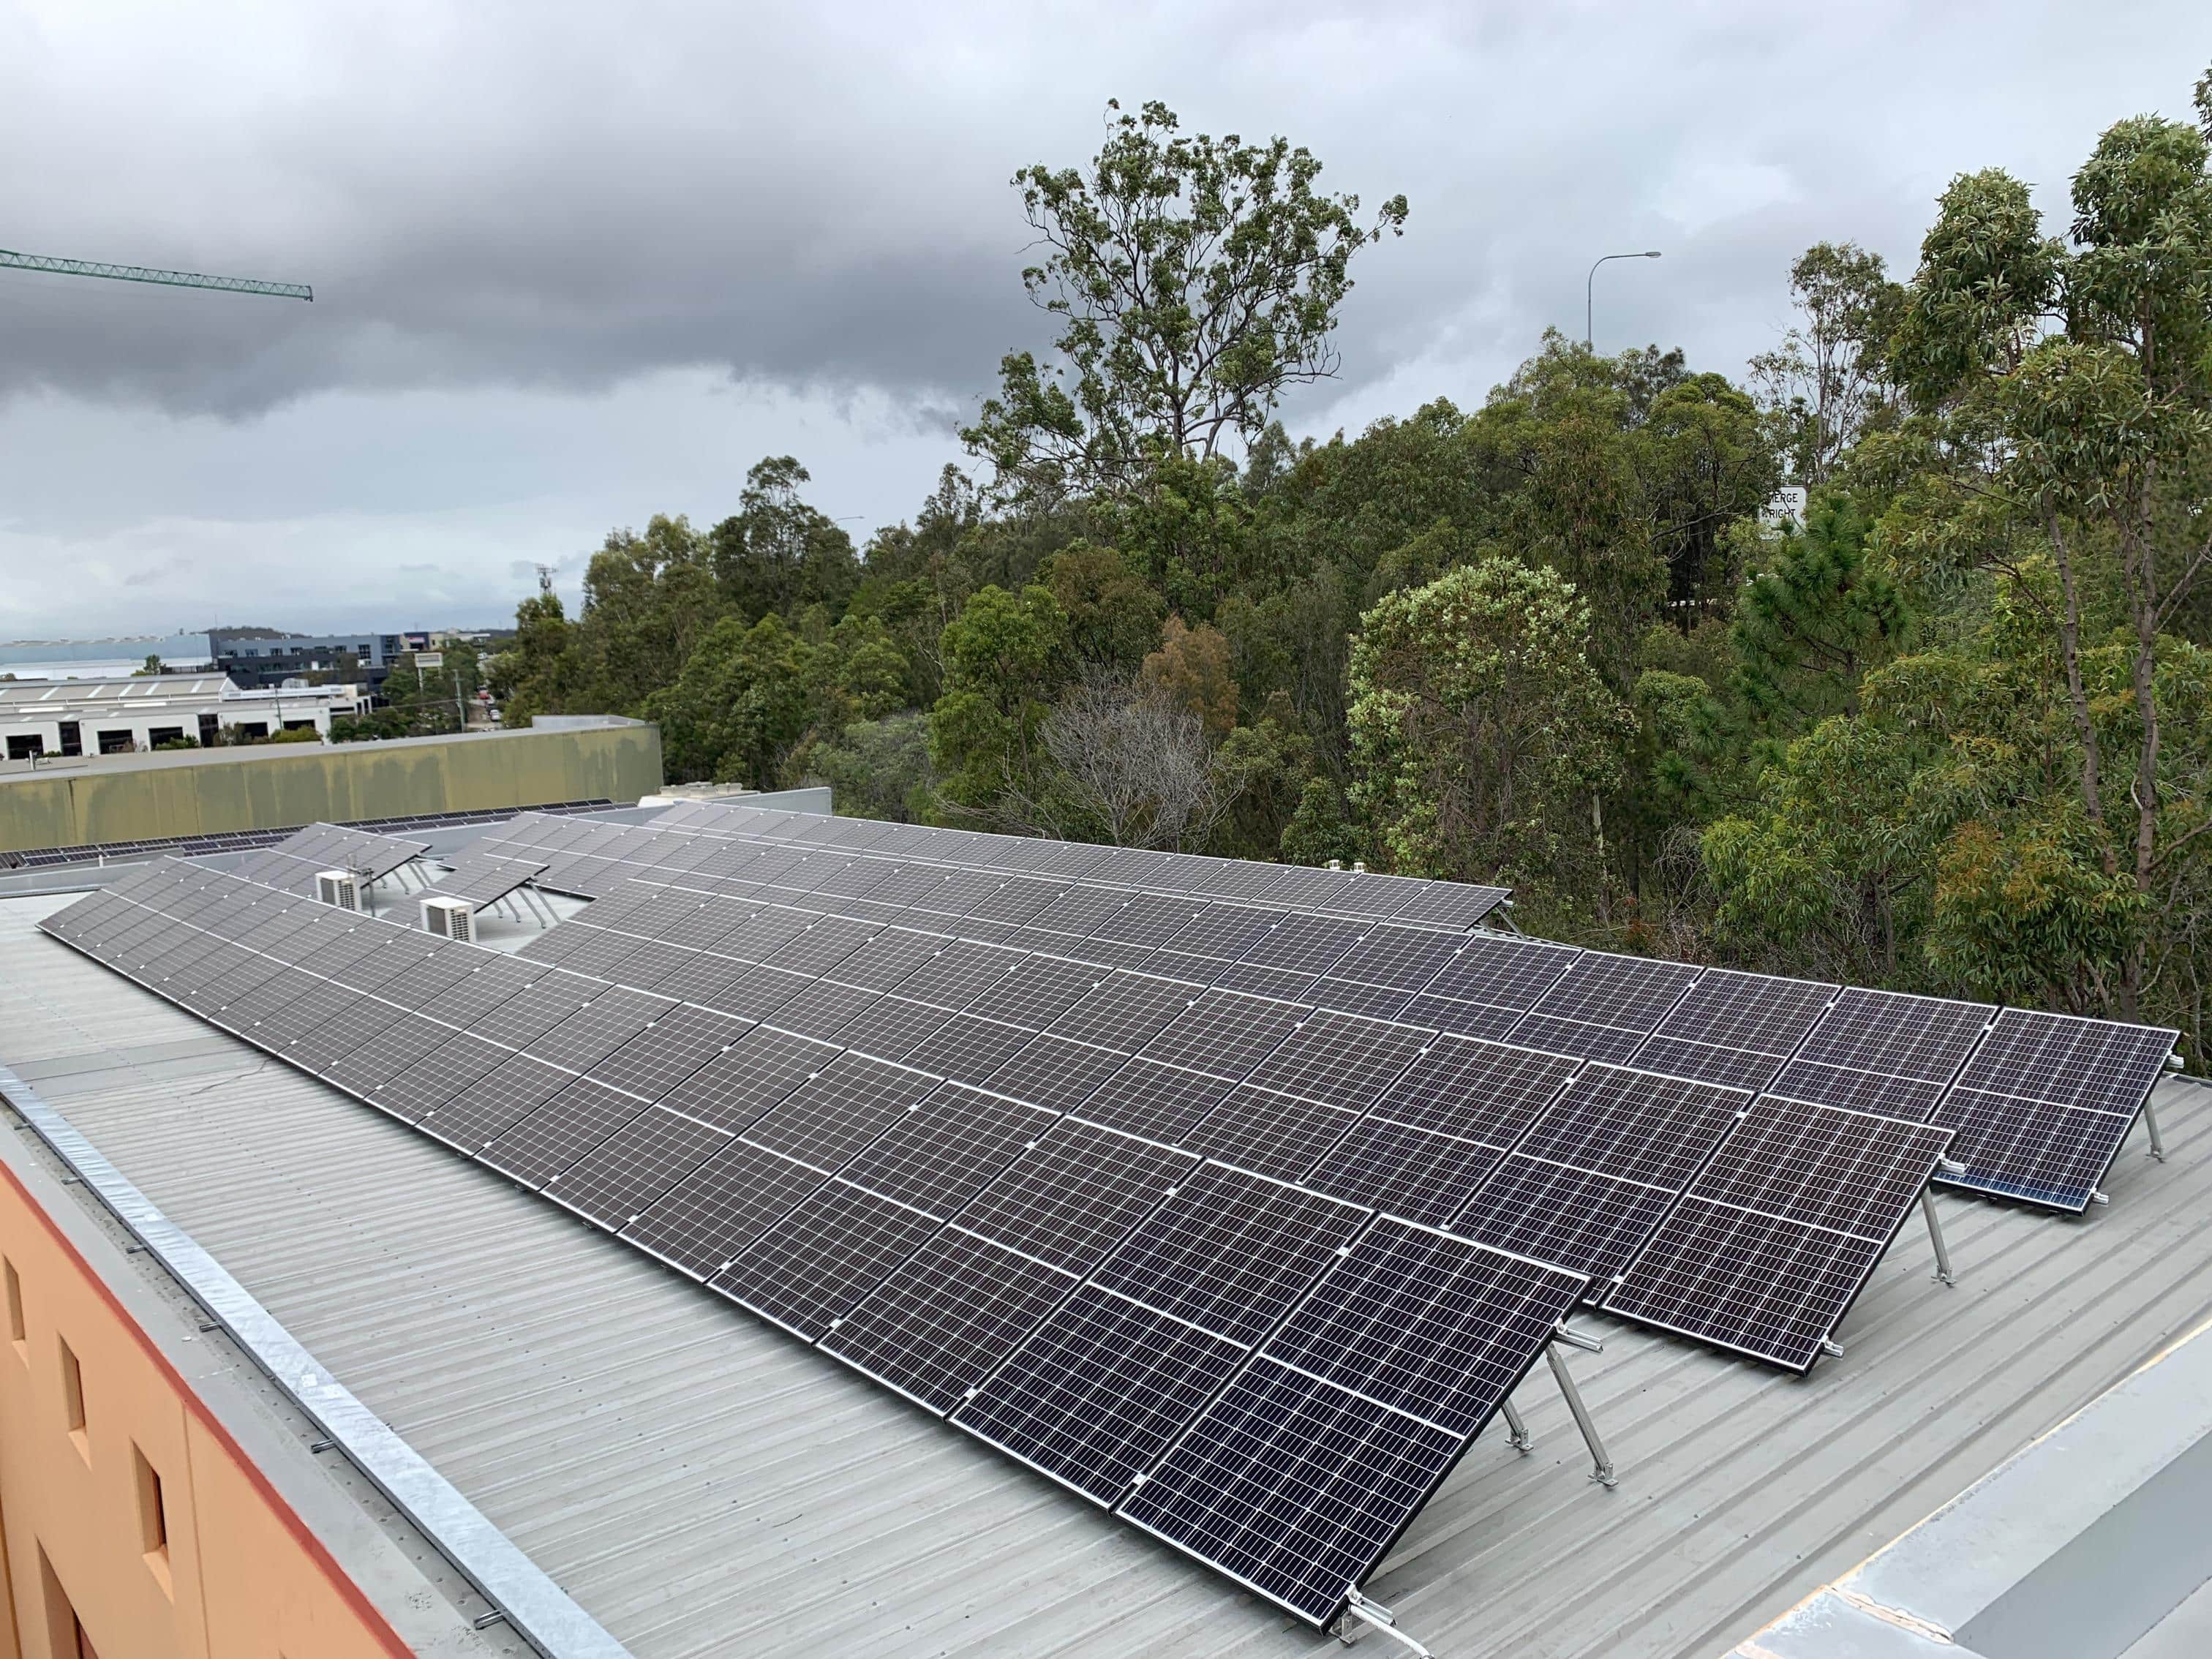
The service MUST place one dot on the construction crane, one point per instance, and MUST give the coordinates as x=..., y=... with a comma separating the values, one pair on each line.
x=145, y=274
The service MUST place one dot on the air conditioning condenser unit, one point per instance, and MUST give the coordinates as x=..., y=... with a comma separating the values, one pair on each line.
x=338, y=887
x=450, y=918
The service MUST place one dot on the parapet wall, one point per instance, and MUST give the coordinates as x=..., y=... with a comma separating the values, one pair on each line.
x=148, y=797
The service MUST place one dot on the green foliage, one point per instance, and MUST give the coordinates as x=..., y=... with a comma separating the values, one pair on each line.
x=1809, y=627
x=1480, y=733
x=1113, y=614
x=740, y=709
x=1195, y=279
x=778, y=553
x=878, y=768
x=1005, y=657
x=151, y=666
x=1828, y=383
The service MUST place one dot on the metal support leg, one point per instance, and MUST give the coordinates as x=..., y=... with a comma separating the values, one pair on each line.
x=1602, y=1472
x=1378, y=1617
x=1516, y=1432
x=2157, y=1140
x=1936, y=1237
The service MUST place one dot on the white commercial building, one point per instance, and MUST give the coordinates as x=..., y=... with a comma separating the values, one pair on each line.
x=41, y=717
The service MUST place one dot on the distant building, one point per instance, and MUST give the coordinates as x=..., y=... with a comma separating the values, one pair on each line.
x=366, y=657
x=46, y=718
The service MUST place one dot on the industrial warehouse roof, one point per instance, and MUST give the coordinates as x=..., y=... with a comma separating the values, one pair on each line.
x=136, y=687
x=692, y=1476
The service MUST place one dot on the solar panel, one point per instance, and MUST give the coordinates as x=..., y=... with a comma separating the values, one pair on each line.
x=967, y=1048
x=830, y=1250
x=1884, y=1052
x=1604, y=1006
x=1293, y=1487
x=1076, y=1195
x=1736, y=1029
x=948, y=1317
x=1300, y=1477
x=2042, y=1107
x=1182, y=1339
x=620, y=1178
x=564, y=1129
x=1774, y=1241
x=495, y=1103
x=942, y=1154
x=1591, y=1179
x=1097, y=1391
x=677, y=1042
x=485, y=878
x=830, y=1116
x=1223, y=1032
x=702, y=1221
x=1230, y=1251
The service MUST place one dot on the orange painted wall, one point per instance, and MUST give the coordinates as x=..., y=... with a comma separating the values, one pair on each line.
x=243, y=1577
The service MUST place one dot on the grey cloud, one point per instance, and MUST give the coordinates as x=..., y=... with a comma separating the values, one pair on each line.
x=577, y=263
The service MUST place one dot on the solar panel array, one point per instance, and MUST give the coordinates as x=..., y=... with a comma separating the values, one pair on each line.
x=2043, y=1136
x=1235, y=1210
x=483, y=878
x=585, y=863
x=1272, y=1378
x=243, y=841
x=294, y=863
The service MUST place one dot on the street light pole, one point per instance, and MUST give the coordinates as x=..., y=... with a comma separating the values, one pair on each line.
x=1589, y=292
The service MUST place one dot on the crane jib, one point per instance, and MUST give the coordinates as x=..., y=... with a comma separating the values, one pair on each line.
x=146, y=273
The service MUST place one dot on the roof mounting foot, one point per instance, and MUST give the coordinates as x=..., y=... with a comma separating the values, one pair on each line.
x=1375, y=1616
x=1516, y=1432
x=1936, y=1237
x=2157, y=1140
x=2098, y=1197
x=1601, y=1464
x=1830, y=1347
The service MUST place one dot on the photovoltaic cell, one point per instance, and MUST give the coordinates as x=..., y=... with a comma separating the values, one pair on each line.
x=1604, y=1006
x=1076, y=1196
x=936, y=1158
x=1270, y=1135
x=1431, y=1325
x=495, y=1103
x=1161, y=1102
x=1222, y=1033
x=732, y=1089
x=565, y=1128
x=1735, y=1028
x=618, y=1180
x=1475, y=1091
x=704, y=1220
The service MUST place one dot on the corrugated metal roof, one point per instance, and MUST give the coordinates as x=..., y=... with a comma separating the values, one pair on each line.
x=694, y=1478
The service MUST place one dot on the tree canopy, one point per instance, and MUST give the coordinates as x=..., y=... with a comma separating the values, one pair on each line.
x=1939, y=720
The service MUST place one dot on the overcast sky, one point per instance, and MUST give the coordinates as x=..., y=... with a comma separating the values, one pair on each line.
x=577, y=263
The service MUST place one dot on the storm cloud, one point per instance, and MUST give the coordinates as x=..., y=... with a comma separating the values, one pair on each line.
x=577, y=263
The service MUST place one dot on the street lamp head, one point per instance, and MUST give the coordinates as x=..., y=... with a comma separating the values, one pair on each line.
x=1653, y=254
